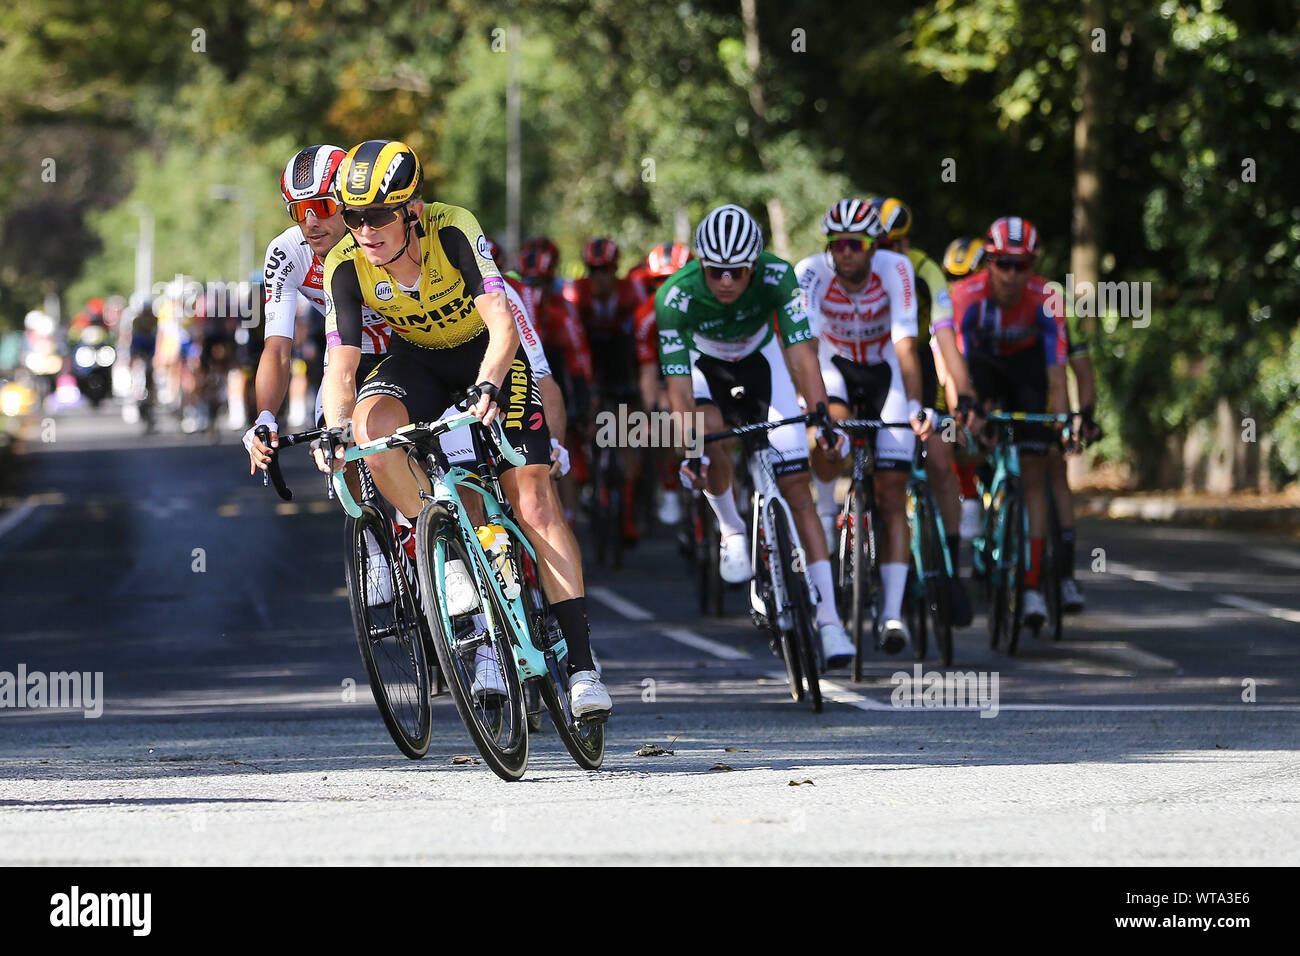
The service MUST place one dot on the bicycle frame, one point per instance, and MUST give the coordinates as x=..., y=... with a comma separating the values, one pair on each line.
x=767, y=497
x=447, y=481
x=916, y=483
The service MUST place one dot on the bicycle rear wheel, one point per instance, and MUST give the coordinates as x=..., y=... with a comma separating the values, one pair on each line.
x=583, y=739
x=497, y=723
x=802, y=633
x=767, y=557
x=393, y=645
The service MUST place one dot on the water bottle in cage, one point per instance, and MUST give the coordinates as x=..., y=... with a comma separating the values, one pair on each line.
x=496, y=543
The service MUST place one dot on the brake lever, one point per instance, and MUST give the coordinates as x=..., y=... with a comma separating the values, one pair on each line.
x=272, y=471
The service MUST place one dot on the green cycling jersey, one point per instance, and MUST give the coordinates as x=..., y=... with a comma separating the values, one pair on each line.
x=690, y=319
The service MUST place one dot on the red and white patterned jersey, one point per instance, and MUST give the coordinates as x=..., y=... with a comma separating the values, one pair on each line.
x=292, y=269
x=861, y=326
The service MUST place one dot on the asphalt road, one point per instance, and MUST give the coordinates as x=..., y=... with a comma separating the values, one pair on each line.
x=1162, y=731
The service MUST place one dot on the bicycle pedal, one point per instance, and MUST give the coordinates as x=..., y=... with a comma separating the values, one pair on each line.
x=760, y=620
x=595, y=717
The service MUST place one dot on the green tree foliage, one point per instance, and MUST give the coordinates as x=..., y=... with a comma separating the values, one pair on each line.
x=635, y=117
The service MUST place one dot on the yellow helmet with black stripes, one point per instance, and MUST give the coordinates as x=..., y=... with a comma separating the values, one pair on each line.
x=962, y=257
x=379, y=172
x=895, y=217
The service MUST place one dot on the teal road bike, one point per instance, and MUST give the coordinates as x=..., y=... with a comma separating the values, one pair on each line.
x=1000, y=552
x=516, y=635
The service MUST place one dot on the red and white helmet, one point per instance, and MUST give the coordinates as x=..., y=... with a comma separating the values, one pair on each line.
x=600, y=252
x=852, y=215
x=310, y=173
x=667, y=258
x=1011, y=236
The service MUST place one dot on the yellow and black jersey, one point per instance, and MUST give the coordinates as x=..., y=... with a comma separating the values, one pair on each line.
x=440, y=314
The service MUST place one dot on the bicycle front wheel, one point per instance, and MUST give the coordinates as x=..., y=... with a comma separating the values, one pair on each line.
x=935, y=583
x=1012, y=566
x=393, y=646
x=473, y=649
x=802, y=632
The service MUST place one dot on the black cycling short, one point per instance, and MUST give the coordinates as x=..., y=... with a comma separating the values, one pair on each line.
x=932, y=396
x=365, y=365
x=427, y=381
x=1014, y=383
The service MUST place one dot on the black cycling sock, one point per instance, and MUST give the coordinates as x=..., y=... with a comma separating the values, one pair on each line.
x=571, y=615
x=954, y=550
x=1065, y=567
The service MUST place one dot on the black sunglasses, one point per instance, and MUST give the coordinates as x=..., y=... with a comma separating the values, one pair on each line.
x=1011, y=265
x=737, y=273
x=376, y=217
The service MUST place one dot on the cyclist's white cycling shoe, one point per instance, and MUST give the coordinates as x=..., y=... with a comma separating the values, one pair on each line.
x=970, y=519
x=587, y=695
x=379, y=580
x=734, y=565
x=1071, y=596
x=894, y=636
x=670, y=508
x=836, y=645
x=1035, y=608
x=459, y=592
x=488, y=678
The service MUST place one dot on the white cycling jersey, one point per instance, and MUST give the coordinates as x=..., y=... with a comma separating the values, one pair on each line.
x=292, y=269
x=861, y=326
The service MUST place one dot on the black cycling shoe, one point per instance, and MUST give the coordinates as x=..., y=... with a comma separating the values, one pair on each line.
x=959, y=601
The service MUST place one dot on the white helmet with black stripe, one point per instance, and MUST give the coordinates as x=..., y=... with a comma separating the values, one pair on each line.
x=728, y=236
x=310, y=174
x=853, y=215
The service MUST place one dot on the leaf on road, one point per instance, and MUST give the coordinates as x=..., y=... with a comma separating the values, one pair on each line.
x=654, y=750
x=736, y=750
x=721, y=766
x=800, y=783
x=463, y=760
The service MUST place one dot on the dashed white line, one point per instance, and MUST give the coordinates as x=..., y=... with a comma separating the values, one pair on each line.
x=15, y=517
x=620, y=605
x=701, y=643
x=1259, y=607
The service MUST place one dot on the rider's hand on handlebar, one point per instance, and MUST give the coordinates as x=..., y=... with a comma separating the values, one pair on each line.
x=829, y=439
x=559, y=459
x=330, y=447
x=969, y=413
x=259, y=453
x=922, y=426
x=483, y=402
x=694, y=472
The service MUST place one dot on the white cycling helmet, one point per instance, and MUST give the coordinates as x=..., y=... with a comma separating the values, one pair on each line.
x=310, y=174
x=728, y=236
x=853, y=215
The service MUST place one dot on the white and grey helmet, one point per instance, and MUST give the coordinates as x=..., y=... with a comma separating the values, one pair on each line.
x=728, y=236
x=853, y=215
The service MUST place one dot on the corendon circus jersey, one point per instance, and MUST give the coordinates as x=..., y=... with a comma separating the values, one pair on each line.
x=291, y=270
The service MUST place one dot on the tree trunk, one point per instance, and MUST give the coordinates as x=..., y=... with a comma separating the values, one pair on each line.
x=1085, y=253
x=758, y=125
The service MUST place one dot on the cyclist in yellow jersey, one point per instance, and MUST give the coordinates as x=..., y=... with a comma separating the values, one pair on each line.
x=945, y=380
x=427, y=270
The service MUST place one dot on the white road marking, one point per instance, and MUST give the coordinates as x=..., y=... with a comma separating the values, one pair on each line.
x=15, y=517
x=1289, y=559
x=1269, y=610
x=619, y=605
x=1232, y=600
x=702, y=643
x=1124, y=653
x=1147, y=577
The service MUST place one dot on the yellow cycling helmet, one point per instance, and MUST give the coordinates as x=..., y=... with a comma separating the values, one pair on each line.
x=963, y=256
x=895, y=217
x=378, y=172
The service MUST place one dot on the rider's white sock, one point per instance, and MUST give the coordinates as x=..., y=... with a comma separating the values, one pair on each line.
x=825, y=496
x=724, y=506
x=819, y=574
x=894, y=578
